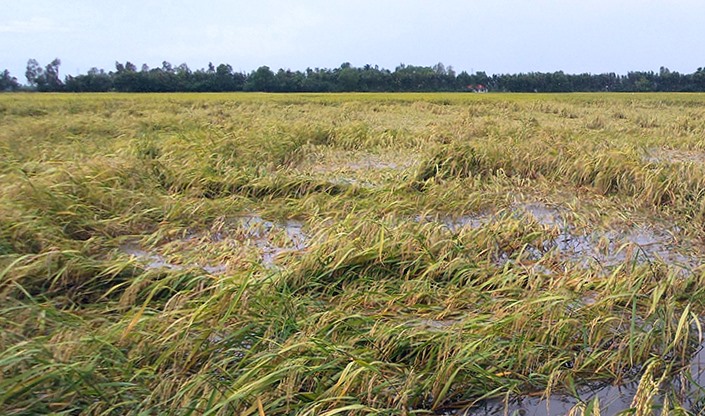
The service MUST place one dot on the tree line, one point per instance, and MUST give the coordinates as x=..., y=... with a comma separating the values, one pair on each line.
x=126, y=77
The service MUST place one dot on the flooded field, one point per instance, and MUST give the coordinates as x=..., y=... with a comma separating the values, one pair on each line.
x=686, y=387
x=356, y=254
x=602, y=249
x=665, y=155
x=246, y=234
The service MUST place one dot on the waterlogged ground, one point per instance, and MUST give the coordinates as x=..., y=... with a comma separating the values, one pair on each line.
x=686, y=388
x=382, y=254
x=248, y=238
x=602, y=248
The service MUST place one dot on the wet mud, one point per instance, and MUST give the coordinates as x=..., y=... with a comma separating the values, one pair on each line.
x=247, y=234
x=687, y=387
x=662, y=155
x=596, y=249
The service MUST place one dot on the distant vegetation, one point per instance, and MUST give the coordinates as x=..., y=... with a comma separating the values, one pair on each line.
x=347, y=78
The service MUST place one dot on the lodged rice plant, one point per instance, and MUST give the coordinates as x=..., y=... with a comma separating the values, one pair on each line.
x=391, y=254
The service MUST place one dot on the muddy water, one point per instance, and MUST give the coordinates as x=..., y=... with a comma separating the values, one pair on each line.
x=686, y=388
x=612, y=399
x=606, y=250
x=432, y=324
x=362, y=170
x=270, y=239
x=153, y=260
x=375, y=163
x=542, y=213
x=149, y=260
x=663, y=155
x=258, y=231
x=363, y=162
x=347, y=180
x=601, y=250
x=466, y=221
x=641, y=244
x=637, y=245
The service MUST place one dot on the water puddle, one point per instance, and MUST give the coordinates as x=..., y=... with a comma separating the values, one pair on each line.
x=149, y=260
x=367, y=171
x=640, y=245
x=261, y=233
x=659, y=155
x=376, y=163
x=599, y=249
x=465, y=221
x=456, y=223
x=543, y=214
x=217, y=269
x=152, y=260
x=612, y=399
x=432, y=324
x=347, y=180
x=686, y=388
x=361, y=162
x=210, y=250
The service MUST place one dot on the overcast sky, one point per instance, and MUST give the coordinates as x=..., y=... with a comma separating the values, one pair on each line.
x=496, y=36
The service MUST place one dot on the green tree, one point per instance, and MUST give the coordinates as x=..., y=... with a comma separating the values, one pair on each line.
x=46, y=79
x=348, y=78
x=34, y=74
x=263, y=79
x=223, y=78
x=96, y=80
x=51, y=73
x=698, y=80
x=289, y=81
x=8, y=82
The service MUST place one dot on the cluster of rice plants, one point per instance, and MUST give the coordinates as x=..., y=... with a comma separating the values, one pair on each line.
x=391, y=254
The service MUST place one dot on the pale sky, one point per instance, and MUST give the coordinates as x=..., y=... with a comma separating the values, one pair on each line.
x=499, y=36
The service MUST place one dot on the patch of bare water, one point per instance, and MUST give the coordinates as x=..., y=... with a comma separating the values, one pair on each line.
x=347, y=180
x=595, y=249
x=216, y=269
x=686, y=388
x=362, y=162
x=432, y=324
x=150, y=260
x=639, y=245
x=466, y=221
x=543, y=214
x=455, y=223
x=661, y=155
x=155, y=261
x=376, y=163
x=259, y=232
x=270, y=239
x=605, y=249
x=612, y=399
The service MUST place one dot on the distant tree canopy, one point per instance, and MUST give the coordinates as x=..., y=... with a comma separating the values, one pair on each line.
x=8, y=82
x=44, y=79
x=405, y=78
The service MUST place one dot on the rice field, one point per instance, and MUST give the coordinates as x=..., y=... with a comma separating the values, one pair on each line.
x=356, y=254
